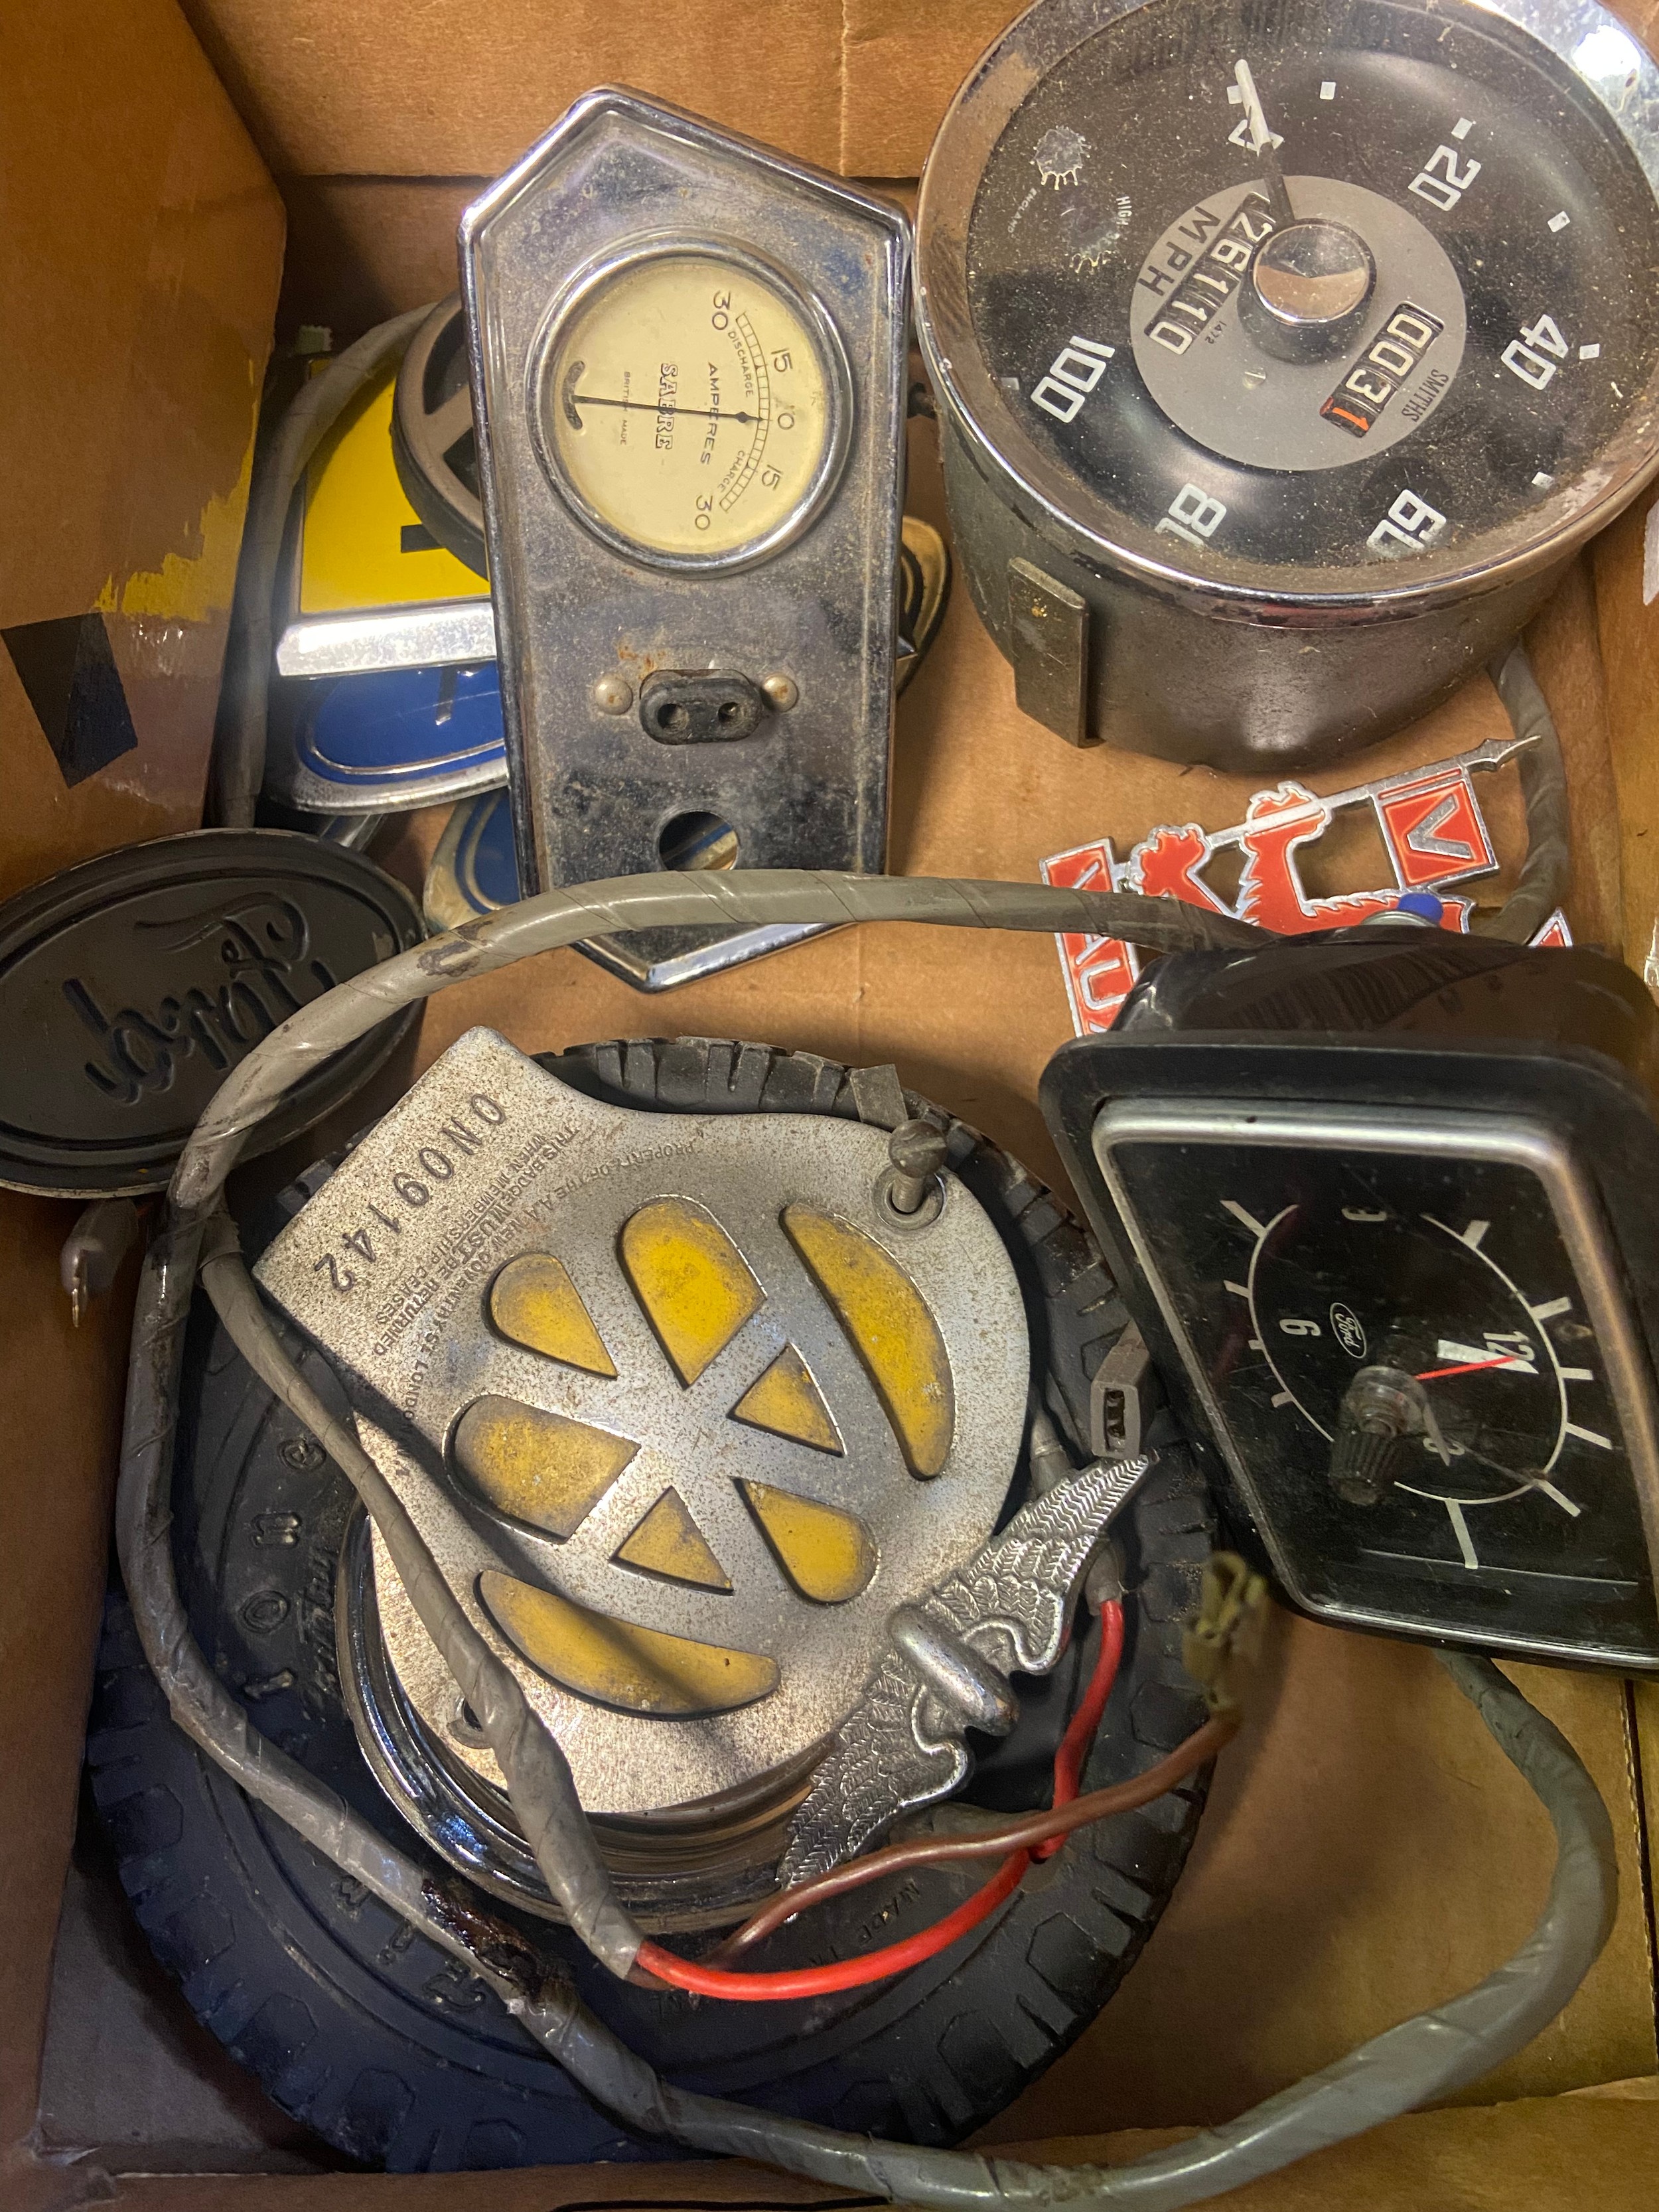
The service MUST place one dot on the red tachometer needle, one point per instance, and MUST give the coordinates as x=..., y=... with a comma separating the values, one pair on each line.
x=1469, y=1367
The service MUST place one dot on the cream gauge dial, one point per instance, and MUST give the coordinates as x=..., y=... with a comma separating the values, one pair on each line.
x=691, y=406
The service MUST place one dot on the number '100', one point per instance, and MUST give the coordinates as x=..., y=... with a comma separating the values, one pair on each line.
x=1072, y=376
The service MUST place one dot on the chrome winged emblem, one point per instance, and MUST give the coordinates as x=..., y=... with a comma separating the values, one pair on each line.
x=945, y=1668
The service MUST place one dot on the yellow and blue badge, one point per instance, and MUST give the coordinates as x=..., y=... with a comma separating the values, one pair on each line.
x=388, y=696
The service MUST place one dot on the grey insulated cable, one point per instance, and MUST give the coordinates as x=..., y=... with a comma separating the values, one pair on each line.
x=742, y=899
x=540, y=1788
x=239, y=755
x=1428, y=2056
x=1547, y=868
x=537, y=1778
x=1424, y=2057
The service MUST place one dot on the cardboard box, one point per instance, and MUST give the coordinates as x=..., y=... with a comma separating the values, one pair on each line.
x=1366, y=1851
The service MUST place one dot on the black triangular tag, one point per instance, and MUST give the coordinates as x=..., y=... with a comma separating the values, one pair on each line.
x=67, y=669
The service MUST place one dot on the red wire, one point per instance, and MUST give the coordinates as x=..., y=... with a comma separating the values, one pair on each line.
x=896, y=1958
x=1075, y=1743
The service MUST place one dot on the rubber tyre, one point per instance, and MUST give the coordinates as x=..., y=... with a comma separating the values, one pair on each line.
x=390, y=2051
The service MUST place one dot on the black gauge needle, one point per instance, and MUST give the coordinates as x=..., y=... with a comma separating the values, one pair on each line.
x=650, y=407
x=1262, y=144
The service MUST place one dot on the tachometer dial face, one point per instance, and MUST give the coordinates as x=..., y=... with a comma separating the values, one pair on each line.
x=691, y=407
x=1284, y=1271
x=1321, y=290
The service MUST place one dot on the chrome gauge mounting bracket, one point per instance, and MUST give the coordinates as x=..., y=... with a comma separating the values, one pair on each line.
x=689, y=380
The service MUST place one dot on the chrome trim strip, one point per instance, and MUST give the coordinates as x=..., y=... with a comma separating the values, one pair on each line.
x=712, y=959
x=452, y=634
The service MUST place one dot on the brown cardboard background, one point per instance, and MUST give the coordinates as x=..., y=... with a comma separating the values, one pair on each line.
x=1367, y=1852
x=978, y=790
x=381, y=120
x=1630, y=647
x=139, y=254
x=461, y=88
x=1593, y=2149
x=350, y=104
x=363, y=248
x=447, y=89
x=62, y=1390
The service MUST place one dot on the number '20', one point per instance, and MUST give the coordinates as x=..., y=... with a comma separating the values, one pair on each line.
x=1441, y=182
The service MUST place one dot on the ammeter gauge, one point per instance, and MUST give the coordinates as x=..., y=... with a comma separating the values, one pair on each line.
x=1334, y=321
x=688, y=365
x=738, y=450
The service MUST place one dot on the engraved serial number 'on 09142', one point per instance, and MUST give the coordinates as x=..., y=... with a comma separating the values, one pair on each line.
x=411, y=1187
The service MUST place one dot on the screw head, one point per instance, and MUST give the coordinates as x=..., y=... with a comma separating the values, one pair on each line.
x=266, y=1610
x=613, y=694
x=783, y=691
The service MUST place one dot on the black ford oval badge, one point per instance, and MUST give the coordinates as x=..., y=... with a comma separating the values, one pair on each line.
x=1347, y=1329
x=130, y=986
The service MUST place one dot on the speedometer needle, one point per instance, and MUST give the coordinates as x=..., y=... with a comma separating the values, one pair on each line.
x=1469, y=1367
x=1262, y=144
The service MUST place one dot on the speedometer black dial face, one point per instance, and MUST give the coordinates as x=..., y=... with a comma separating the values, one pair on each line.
x=1320, y=287
x=1292, y=1275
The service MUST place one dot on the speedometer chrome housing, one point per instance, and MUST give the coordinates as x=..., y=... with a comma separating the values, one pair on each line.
x=1336, y=324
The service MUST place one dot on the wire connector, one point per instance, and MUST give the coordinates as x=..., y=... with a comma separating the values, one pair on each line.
x=1230, y=1613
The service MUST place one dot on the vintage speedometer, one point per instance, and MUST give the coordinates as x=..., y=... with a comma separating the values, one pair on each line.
x=1324, y=318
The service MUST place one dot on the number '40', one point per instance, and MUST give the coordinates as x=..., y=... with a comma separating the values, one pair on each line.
x=1534, y=356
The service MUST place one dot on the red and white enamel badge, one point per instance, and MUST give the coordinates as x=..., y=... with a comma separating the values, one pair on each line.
x=1432, y=829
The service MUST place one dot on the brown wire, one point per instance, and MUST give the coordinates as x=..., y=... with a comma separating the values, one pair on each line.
x=992, y=1842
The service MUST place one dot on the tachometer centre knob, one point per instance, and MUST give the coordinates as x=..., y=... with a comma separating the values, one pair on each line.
x=1309, y=287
